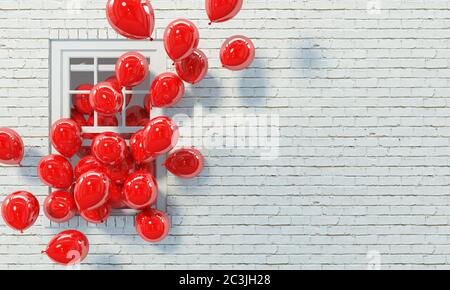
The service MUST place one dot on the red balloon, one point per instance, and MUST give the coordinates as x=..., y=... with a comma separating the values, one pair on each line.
x=180, y=39
x=98, y=215
x=92, y=190
x=222, y=10
x=65, y=135
x=116, y=199
x=88, y=163
x=115, y=82
x=147, y=167
x=133, y=19
x=55, y=171
x=119, y=173
x=131, y=69
x=11, y=147
x=137, y=147
x=137, y=116
x=81, y=101
x=109, y=148
x=68, y=248
x=20, y=210
x=185, y=162
x=152, y=225
x=103, y=121
x=84, y=151
x=194, y=68
x=77, y=117
x=167, y=89
x=237, y=53
x=160, y=136
x=140, y=190
x=60, y=207
x=106, y=99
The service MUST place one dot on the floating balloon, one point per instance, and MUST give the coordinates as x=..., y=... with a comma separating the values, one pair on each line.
x=193, y=68
x=60, y=207
x=140, y=190
x=180, y=39
x=160, y=136
x=167, y=89
x=109, y=148
x=77, y=117
x=147, y=167
x=152, y=225
x=137, y=116
x=84, y=151
x=115, y=82
x=137, y=147
x=103, y=121
x=119, y=173
x=105, y=99
x=20, y=210
x=92, y=190
x=185, y=162
x=222, y=10
x=132, y=19
x=116, y=199
x=65, y=135
x=98, y=215
x=131, y=69
x=237, y=53
x=55, y=171
x=11, y=147
x=88, y=163
x=81, y=101
x=68, y=248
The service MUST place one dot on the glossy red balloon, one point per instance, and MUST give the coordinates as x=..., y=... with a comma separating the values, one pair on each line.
x=78, y=117
x=140, y=190
x=98, y=215
x=92, y=190
x=88, y=163
x=137, y=147
x=131, y=69
x=147, y=167
x=81, y=101
x=109, y=148
x=160, y=136
x=103, y=121
x=132, y=19
x=185, y=162
x=106, y=99
x=65, y=135
x=193, y=68
x=180, y=39
x=116, y=199
x=115, y=82
x=119, y=173
x=11, y=147
x=137, y=116
x=84, y=151
x=60, y=207
x=68, y=248
x=223, y=10
x=20, y=210
x=152, y=225
x=237, y=53
x=55, y=171
x=167, y=89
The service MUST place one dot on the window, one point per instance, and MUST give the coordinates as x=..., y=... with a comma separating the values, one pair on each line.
x=74, y=63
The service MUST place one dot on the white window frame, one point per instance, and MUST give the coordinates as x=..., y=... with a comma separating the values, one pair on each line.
x=61, y=51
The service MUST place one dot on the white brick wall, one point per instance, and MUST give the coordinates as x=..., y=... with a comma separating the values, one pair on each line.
x=363, y=172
